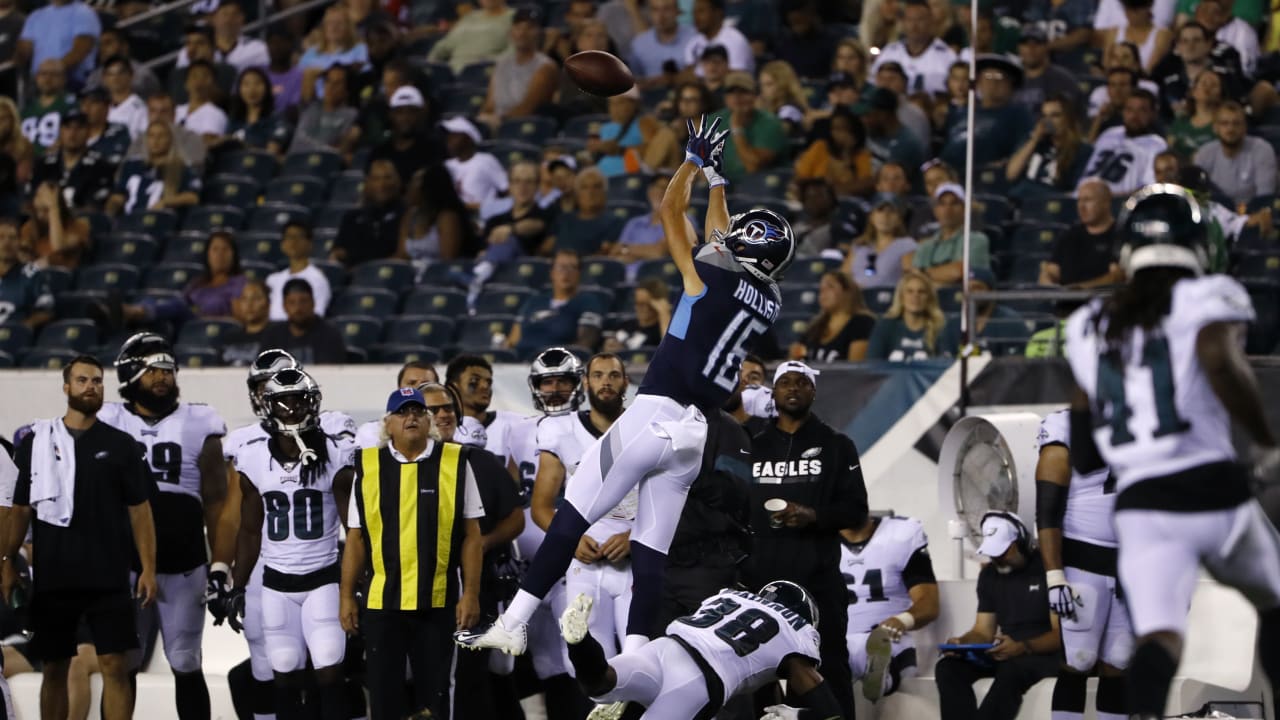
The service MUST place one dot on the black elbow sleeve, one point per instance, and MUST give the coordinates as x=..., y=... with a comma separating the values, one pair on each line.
x=1085, y=457
x=1051, y=505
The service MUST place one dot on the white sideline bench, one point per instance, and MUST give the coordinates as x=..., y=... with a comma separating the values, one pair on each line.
x=1218, y=665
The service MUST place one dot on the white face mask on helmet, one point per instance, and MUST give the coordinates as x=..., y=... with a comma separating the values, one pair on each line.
x=556, y=362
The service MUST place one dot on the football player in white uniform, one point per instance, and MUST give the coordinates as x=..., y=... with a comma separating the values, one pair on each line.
x=292, y=483
x=737, y=642
x=472, y=377
x=246, y=606
x=181, y=442
x=1162, y=372
x=1124, y=156
x=600, y=568
x=892, y=591
x=1078, y=545
x=555, y=385
x=414, y=373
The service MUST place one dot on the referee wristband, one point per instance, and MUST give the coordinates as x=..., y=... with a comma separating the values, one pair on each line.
x=907, y=619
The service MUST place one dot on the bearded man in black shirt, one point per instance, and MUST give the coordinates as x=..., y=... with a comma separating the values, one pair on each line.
x=85, y=543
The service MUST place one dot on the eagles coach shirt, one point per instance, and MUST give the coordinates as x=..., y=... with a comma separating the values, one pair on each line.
x=94, y=552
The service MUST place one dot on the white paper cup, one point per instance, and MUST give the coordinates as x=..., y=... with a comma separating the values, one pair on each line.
x=775, y=505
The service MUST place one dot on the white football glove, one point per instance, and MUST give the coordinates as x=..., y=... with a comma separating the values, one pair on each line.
x=781, y=712
x=1062, y=597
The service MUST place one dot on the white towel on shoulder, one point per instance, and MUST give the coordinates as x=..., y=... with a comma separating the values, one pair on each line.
x=53, y=472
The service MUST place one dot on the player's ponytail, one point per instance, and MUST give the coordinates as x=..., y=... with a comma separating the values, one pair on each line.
x=1142, y=303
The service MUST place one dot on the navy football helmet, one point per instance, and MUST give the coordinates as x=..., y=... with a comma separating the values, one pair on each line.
x=793, y=597
x=556, y=362
x=762, y=242
x=140, y=352
x=1163, y=225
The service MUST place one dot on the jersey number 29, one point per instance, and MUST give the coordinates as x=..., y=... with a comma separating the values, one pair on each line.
x=1155, y=356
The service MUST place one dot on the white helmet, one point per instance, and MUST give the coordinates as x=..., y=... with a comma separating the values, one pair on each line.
x=556, y=362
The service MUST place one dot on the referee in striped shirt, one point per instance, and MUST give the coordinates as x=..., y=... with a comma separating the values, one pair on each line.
x=413, y=520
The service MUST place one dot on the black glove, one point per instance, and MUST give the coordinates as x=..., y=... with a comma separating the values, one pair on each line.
x=235, y=609
x=217, y=589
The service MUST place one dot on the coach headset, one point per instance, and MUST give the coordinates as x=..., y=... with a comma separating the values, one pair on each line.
x=1023, y=540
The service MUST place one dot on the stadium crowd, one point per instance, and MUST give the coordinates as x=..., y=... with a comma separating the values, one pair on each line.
x=383, y=182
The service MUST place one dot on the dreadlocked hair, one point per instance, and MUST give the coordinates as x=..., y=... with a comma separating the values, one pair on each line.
x=1142, y=303
x=317, y=442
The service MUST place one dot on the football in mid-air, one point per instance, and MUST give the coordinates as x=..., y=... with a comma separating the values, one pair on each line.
x=599, y=73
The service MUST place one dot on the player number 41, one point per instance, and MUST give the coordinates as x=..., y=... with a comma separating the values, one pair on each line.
x=1111, y=391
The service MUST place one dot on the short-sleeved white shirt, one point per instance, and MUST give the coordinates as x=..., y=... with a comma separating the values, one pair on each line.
x=472, y=506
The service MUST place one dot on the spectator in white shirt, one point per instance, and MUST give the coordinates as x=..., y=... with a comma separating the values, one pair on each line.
x=229, y=43
x=1111, y=14
x=295, y=243
x=924, y=58
x=708, y=19
x=199, y=114
x=477, y=175
x=1215, y=15
x=127, y=108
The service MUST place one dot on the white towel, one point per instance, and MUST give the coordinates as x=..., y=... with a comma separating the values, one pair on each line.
x=53, y=472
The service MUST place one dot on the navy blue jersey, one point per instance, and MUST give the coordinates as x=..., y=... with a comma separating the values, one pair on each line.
x=142, y=185
x=23, y=290
x=709, y=335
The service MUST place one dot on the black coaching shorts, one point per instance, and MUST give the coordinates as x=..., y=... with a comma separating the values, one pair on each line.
x=56, y=615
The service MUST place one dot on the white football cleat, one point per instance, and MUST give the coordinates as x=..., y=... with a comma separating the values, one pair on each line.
x=575, y=621
x=879, y=655
x=611, y=711
x=497, y=636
